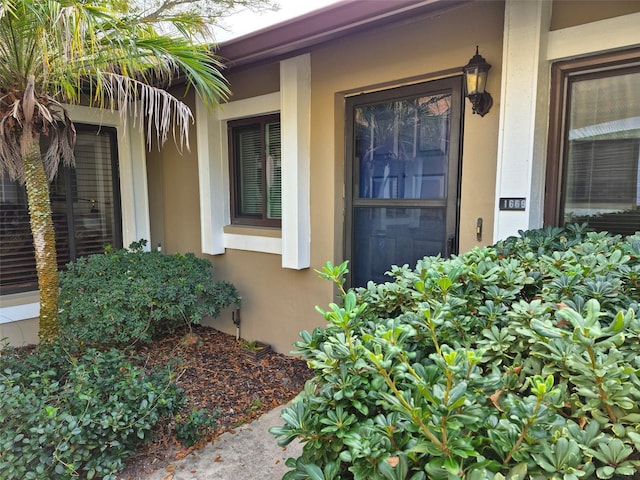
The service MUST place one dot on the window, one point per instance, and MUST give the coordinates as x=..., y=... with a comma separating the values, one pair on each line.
x=256, y=171
x=85, y=203
x=593, y=172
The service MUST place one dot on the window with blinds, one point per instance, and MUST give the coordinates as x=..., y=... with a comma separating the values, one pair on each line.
x=256, y=171
x=593, y=174
x=85, y=203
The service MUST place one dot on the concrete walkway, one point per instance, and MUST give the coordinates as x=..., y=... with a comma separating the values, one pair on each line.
x=249, y=453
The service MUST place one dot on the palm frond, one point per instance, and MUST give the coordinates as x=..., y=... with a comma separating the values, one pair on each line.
x=112, y=53
x=144, y=102
x=49, y=118
x=10, y=153
x=62, y=139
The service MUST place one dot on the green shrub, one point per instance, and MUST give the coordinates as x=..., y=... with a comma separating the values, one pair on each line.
x=514, y=361
x=67, y=414
x=125, y=296
x=199, y=425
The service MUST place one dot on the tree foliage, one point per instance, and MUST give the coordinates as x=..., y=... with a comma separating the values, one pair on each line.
x=212, y=12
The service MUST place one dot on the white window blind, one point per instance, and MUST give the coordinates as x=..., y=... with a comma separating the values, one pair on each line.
x=250, y=163
x=274, y=171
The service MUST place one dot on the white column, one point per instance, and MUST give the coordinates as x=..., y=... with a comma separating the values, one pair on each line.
x=295, y=117
x=523, y=114
x=212, y=180
x=137, y=185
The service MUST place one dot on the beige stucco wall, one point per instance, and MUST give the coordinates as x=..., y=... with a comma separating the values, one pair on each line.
x=20, y=333
x=174, y=194
x=569, y=13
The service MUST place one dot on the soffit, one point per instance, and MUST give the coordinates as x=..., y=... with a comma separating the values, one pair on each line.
x=334, y=21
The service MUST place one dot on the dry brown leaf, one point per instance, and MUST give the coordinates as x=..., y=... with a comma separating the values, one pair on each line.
x=495, y=399
x=182, y=453
x=393, y=461
x=214, y=375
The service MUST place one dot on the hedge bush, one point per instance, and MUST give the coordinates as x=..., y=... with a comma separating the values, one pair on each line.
x=514, y=361
x=72, y=414
x=127, y=295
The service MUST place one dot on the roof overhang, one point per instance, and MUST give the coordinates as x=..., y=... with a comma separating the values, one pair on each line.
x=329, y=23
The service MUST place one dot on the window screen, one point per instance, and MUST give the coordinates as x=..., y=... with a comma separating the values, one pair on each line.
x=602, y=181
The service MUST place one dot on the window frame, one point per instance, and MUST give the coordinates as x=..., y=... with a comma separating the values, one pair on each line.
x=237, y=218
x=562, y=75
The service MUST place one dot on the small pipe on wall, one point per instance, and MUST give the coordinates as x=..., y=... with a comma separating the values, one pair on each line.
x=235, y=317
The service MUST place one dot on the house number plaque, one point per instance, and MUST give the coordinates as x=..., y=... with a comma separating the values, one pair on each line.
x=513, y=203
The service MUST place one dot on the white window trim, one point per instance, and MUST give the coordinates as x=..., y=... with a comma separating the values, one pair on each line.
x=133, y=190
x=528, y=50
x=16, y=313
x=595, y=37
x=294, y=104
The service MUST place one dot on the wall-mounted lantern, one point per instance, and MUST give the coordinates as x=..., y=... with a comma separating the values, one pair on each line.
x=475, y=81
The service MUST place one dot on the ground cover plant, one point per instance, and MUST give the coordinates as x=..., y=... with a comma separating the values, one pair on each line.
x=113, y=414
x=79, y=406
x=127, y=295
x=68, y=413
x=514, y=361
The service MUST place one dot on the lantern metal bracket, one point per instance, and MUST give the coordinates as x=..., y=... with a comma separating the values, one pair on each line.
x=481, y=103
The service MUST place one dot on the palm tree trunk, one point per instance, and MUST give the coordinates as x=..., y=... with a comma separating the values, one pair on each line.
x=44, y=241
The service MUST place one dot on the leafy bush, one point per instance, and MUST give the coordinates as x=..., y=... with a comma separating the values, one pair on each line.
x=514, y=361
x=126, y=296
x=199, y=425
x=68, y=414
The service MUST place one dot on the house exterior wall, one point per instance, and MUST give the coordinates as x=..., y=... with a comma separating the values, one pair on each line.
x=173, y=191
x=569, y=13
x=530, y=47
x=279, y=302
x=415, y=51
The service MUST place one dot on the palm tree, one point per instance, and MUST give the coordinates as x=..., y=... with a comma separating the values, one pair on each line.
x=99, y=53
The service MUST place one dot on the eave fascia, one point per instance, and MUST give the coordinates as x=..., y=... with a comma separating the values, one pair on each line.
x=302, y=33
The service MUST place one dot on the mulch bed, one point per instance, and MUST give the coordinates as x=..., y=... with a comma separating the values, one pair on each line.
x=216, y=376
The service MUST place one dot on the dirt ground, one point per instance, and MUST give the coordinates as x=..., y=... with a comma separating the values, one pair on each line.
x=216, y=375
